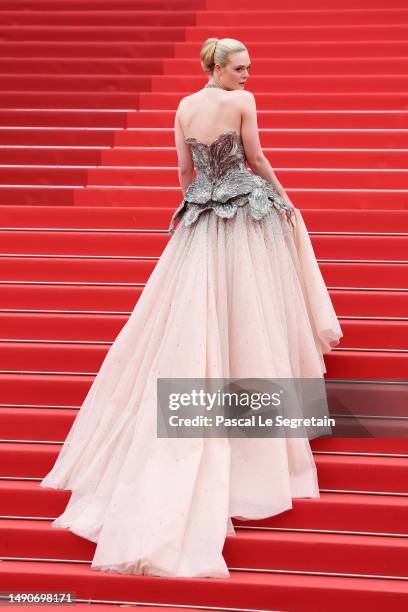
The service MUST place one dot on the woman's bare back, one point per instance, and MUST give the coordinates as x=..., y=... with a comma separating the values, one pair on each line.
x=209, y=112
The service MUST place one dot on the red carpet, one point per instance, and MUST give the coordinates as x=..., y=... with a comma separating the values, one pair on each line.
x=88, y=183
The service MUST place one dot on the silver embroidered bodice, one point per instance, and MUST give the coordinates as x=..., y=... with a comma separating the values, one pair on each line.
x=223, y=183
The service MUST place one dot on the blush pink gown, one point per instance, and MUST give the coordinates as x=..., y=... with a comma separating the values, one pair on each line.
x=237, y=292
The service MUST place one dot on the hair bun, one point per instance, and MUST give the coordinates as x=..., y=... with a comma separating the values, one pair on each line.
x=212, y=53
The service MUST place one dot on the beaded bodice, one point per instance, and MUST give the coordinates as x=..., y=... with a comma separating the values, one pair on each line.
x=213, y=160
x=223, y=182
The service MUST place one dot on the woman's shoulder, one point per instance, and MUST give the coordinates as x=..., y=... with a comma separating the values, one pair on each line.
x=244, y=96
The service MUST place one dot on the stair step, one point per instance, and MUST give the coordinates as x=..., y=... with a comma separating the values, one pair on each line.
x=174, y=66
x=295, y=100
x=326, y=119
x=77, y=299
x=44, y=389
x=243, y=590
x=335, y=472
x=364, y=402
x=146, y=196
x=380, y=556
x=148, y=100
x=128, y=218
x=82, y=358
x=341, y=512
x=125, y=17
x=380, y=48
x=372, y=159
x=87, y=271
x=151, y=244
x=164, y=137
x=49, y=389
x=165, y=178
x=305, y=83
x=374, y=334
x=163, y=83
x=96, y=5
x=92, y=5
x=194, y=32
x=34, y=423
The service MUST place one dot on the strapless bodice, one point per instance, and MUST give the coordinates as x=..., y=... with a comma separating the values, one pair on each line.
x=214, y=160
x=223, y=182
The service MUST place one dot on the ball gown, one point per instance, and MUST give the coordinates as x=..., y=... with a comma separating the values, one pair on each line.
x=237, y=292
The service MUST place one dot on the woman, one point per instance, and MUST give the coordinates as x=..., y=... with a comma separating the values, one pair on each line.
x=237, y=292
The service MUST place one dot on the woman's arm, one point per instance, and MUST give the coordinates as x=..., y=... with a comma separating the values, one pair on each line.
x=257, y=161
x=185, y=161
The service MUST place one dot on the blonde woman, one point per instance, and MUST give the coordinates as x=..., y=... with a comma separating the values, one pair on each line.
x=237, y=293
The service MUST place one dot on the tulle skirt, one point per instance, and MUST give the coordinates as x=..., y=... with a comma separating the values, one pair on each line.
x=227, y=298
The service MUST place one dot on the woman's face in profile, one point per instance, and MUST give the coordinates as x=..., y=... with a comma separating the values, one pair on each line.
x=235, y=74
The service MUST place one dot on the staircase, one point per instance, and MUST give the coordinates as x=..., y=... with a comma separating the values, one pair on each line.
x=88, y=183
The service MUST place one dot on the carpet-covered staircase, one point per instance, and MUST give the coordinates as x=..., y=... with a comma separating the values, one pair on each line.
x=88, y=182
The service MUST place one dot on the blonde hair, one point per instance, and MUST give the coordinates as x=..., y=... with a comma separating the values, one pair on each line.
x=216, y=51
